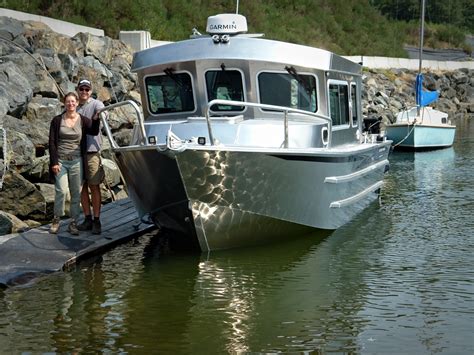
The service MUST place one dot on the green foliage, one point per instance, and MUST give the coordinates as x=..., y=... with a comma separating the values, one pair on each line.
x=347, y=27
x=457, y=13
x=435, y=36
x=450, y=34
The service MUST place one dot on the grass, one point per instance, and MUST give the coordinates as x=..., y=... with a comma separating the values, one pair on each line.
x=347, y=27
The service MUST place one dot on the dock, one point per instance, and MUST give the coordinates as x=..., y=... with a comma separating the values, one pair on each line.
x=35, y=252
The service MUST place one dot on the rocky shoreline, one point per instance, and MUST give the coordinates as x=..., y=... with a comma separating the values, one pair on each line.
x=38, y=66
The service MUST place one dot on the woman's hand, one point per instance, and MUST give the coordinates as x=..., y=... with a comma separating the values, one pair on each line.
x=56, y=168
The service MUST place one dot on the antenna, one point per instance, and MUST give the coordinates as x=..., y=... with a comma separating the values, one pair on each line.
x=237, y=10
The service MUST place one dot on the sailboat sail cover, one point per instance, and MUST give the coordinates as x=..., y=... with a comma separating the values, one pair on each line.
x=423, y=98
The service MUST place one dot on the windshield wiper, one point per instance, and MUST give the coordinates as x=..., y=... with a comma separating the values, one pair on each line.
x=178, y=81
x=299, y=79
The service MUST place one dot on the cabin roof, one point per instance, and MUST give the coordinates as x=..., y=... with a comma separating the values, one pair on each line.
x=242, y=48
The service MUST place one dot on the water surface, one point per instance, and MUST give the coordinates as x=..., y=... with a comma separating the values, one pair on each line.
x=396, y=280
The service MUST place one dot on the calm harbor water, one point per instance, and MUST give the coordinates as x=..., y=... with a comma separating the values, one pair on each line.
x=399, y=279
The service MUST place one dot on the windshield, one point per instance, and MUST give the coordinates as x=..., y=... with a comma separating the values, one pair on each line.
x=225, y=85
x=169, y=93
x=284, y=89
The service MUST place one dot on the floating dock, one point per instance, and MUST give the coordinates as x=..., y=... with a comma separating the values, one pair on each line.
x=24, y=256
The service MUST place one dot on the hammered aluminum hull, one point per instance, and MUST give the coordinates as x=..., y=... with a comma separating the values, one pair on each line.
x=226, y=199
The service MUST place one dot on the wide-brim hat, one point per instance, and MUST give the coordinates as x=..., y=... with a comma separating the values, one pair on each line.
x=84, y=82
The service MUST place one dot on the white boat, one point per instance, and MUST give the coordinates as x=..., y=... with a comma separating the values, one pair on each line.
x=245, y=140
x=421, y=127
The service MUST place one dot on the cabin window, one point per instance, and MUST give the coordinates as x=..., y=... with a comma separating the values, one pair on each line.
x=339, y=103
x=283, y=89
x=225, y=85
x=355, y=106
x=169, y=93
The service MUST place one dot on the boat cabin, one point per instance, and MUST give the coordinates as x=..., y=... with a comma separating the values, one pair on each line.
x=178, y=80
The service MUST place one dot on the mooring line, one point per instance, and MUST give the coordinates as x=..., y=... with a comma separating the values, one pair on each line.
x=5, y=160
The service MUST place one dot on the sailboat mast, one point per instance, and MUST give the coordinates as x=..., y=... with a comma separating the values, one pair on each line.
x=420, y=67
x=422, y=33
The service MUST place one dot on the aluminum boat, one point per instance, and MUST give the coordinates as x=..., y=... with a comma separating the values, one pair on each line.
x=242, y=140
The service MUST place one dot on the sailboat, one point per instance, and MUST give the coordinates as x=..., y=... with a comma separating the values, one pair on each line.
x=421, y=127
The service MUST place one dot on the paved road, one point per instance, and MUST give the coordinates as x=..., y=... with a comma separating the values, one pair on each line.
x=442, y=54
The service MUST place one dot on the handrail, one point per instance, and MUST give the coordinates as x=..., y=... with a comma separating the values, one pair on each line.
x=108, y=131
x=283, y=109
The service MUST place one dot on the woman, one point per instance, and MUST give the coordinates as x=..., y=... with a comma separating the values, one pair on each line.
x=67, y=151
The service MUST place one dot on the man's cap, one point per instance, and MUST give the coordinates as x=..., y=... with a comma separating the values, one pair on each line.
x=84, y=82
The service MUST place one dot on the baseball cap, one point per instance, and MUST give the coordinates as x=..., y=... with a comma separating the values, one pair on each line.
x=84, y=82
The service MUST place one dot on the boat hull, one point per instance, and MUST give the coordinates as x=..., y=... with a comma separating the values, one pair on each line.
x=420, y=137
x=225, y=199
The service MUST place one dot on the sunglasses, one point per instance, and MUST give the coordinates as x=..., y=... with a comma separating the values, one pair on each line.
x=84, y=89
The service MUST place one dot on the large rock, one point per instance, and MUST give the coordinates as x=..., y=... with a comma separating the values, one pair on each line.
x=123, y=117
x=70, y=64
x=460, y=77
x=11, y=224
x=40, y=36
x=12, y=30
x=112, y=172
x=12, y=124
x=21, y=198
x=15, y=87
x=37, y=118
x=20, y=151
x=104, y=49
x=39, y=171
x=47, y=191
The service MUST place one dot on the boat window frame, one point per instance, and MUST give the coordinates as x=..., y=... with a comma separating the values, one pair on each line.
x=257, y=84
x=355, y=110
x=347, y=124
x=244, y=91
x=177, y=113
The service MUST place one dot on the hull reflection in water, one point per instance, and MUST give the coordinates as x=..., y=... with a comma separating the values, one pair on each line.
x=229, y=298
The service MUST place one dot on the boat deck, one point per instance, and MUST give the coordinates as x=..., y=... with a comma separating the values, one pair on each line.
x=24, y=256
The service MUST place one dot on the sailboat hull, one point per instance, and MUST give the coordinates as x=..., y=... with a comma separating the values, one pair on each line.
x=420, y=137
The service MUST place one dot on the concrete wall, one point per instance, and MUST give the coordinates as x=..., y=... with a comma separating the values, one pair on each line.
x=139, y=40
x=412, y=64
x=65, y=28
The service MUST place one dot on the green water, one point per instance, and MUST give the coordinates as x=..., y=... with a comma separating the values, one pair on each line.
x=397, y=280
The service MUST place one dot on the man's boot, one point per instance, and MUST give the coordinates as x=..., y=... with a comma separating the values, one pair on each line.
x=96, y=227
x=86, y=225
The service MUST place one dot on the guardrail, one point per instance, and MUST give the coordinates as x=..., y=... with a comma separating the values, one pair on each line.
x=283, y=109
x=140, y=122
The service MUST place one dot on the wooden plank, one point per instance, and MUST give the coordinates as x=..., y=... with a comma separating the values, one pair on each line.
x=26, y=255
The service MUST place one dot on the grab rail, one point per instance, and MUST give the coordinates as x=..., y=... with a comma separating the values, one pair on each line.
x=283, y=109
x=140, y=121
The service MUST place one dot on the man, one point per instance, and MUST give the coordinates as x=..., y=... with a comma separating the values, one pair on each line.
x=94, y=172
